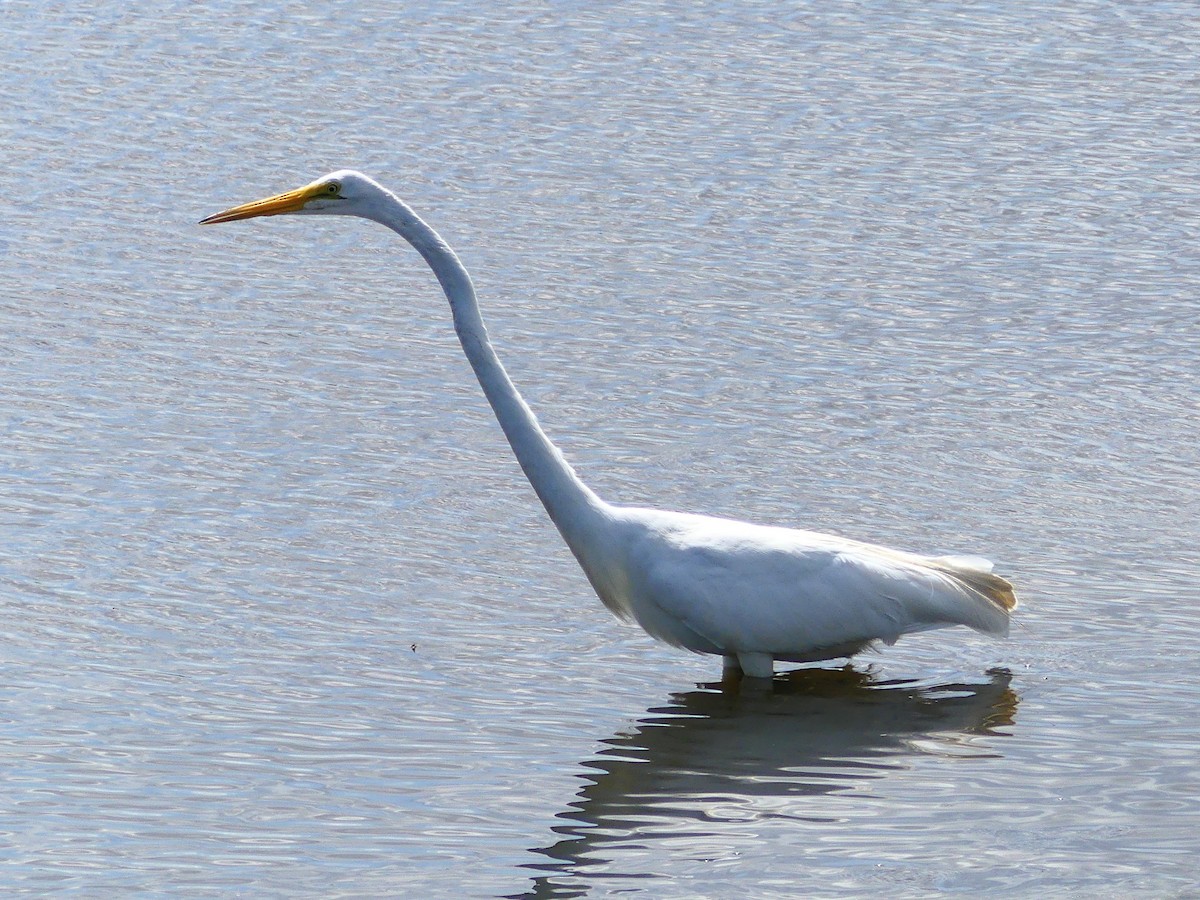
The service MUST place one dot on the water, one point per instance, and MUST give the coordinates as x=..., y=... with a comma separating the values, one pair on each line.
x=280, y=615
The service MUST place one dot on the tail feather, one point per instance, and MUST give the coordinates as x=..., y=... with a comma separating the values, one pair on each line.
x=977, y=575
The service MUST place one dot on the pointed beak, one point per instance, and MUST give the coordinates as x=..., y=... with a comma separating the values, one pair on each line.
x=288, y=202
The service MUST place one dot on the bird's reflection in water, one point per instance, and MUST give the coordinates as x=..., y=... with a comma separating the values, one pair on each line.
x=730, y=753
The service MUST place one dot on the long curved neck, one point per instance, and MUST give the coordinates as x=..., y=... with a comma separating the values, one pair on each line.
x=572, y=506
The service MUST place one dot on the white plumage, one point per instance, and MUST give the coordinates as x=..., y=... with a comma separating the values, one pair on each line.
x=752, y=594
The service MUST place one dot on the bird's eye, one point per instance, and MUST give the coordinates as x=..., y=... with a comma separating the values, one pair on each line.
x=333, y=189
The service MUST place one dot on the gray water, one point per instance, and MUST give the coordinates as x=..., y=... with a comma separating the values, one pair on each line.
x=280, y=616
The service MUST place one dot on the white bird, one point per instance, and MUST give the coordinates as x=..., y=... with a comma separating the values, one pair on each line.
x=752, y=594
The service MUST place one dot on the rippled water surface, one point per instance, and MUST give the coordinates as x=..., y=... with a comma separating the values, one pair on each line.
x=281, y=617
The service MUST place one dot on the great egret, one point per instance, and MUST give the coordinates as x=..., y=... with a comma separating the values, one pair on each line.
x=752, y=594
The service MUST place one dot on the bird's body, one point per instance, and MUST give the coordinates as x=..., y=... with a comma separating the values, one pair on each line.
x=734, y=588
x=752, y=594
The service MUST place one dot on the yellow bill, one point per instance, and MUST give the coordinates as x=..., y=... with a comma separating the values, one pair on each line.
x=288, y=202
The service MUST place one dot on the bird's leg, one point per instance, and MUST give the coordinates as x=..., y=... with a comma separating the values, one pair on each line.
x=752, y=665
x=731, y=673
x=757, y=665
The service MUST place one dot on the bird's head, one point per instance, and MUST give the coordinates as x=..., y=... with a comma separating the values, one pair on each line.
x=345, y=192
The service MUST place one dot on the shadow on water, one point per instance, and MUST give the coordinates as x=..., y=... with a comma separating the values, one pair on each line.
x=731, y=753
